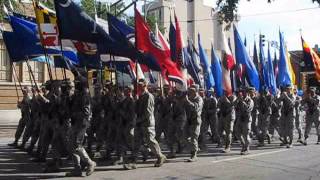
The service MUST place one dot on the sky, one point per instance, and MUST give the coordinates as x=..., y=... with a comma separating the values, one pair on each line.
x=293, y=17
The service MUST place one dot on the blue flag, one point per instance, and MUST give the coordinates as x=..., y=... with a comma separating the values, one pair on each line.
x=273, y=84
x=208, y=77
x=284, y=74
x=123, y=33
x=24, y=42
x=264, y=74
x=243, y=57
x=172, y=41
x=217, y=73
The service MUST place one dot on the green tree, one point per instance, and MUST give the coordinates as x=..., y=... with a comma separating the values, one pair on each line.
x=89, y=7
x=227, y=9
x=6, y=3
x=151, y=20
x=48, y=3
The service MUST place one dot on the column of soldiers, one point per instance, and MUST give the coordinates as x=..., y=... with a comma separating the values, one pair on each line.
x=116, y=125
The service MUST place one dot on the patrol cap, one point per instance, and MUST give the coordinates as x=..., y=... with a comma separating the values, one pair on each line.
x=201, y=89
x=194, y=87
x=312, y=89
x=142, y=82
x=211, y=90
x=129, y=87
x=250, y=89
x=166, y=86
x=287, y=87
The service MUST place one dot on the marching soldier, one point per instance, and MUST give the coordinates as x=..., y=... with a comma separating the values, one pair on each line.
x=298, y=121
x=312, y=100
x=243, y=125
x=226, y=105
x=145, y=125
x=194, y=105
x=276, y=106
x=80, y=119
x=287, y=116
x=254, y=114
x=264, y=105
x=25, y=107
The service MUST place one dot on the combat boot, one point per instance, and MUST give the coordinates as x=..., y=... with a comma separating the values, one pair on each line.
x=76, y=172
x=160, y=161
x=14, y=144
x=318, y=140
x=193, y=157
x=172, y=154
x=227, y=149
x=90, y=168
x=119, y=161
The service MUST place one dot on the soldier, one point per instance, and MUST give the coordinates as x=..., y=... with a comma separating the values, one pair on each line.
x=127, y=124
x=165, y=113
x=97, y=117
x=254, y=114
x=312, y=100
x=36, y=103
x=80, y=119
x=194, y=105
x=287, y=116
x=210, y=108
x=276, y=106
x=204, y=122
x=227, y=118
x=145, y=125
x=264, y=105
x=62, y=126
x=298, y=118
x=243, y=125
x=31, y=120
x=25, y=107
x=177, y=130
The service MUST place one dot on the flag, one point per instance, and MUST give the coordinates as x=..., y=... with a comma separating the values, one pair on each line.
x=228, y=63
x=21, y=16
x=264, y=70
x=271, y=77
x=179, y=43
x=125, y=34
x=275, y=65
x=290, y=67
x=243, y=58
x=189, y=63
x=217, y=72
x=26, y=37
x=172, y=40
x=208, y=77
x=156, y=45
x=284, y=77
x=255, y=58
x=311, y=56
x=135, y=67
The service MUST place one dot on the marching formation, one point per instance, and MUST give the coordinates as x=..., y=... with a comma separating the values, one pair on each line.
x=114, y=122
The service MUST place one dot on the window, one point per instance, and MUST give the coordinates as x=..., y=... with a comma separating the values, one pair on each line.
x=5, y=69
x=37, y=70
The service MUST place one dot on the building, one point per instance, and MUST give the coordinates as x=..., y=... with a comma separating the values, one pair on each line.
x=194, y=18
x=9, y=81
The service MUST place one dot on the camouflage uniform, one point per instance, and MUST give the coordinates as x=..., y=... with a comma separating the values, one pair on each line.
x=287, y=118
x=264, y=104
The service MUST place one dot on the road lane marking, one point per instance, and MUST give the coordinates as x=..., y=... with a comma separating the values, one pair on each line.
x=249, y=156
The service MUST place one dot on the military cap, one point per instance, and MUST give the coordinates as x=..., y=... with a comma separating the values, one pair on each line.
x=194, y=87
x=250, y=89
x=201, y=89
x=142, y=82
x=313, y=89
x=211, y=90
x=129, y=87
x=166, y=86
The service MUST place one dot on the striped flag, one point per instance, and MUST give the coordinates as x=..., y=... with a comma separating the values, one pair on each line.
x=228, y=63
x=311, y=55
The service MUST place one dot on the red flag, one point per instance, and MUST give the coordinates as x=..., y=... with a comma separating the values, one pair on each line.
x=311, y=55
x=179, y=42
x=157, y=46
x=228, y=63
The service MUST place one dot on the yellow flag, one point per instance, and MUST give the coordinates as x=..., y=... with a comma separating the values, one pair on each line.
x=291, y=70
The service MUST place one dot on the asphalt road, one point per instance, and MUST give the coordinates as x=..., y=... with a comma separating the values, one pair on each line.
x=271, y=162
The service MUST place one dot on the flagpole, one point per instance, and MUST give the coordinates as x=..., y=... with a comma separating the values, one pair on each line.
x=32, y=75
x=14, y=79
x=136, y=45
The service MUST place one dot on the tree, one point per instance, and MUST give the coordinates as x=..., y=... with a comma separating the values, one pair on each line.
x=151, y=20
x=6, y=3
x=227, y=10
x=89, y=7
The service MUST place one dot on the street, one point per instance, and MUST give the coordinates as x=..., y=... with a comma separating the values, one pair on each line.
x=270, y=162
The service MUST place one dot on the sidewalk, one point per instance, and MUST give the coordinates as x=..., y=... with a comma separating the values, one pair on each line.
x=9, y=118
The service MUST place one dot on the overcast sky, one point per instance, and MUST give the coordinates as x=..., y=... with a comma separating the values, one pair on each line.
x=288, y=15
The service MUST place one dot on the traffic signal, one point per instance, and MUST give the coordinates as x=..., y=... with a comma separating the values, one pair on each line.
x=262, y=39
